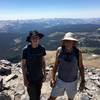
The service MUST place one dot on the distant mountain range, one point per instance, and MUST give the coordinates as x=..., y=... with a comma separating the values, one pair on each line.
x=46, y=25
x=13, y=33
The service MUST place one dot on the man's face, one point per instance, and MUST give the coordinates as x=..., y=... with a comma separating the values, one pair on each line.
x=35, y=40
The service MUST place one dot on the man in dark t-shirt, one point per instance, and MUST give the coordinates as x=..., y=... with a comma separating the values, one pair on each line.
x=33, y=65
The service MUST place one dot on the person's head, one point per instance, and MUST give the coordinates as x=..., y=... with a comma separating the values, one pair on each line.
x=34, y=37
x=69, y=41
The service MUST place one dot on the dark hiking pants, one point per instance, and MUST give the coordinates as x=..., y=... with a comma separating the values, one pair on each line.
x=34, y=91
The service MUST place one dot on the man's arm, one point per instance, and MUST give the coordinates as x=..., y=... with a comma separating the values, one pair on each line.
x=81, y=67
x=55, y=67
x=53, y=80
x=44, y=67
x=24, y=71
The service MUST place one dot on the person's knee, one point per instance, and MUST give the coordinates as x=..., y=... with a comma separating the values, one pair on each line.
x=52, y=98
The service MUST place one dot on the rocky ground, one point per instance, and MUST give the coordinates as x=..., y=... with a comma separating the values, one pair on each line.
x=12, y=88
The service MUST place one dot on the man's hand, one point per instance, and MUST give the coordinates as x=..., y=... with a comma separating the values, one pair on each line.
x=52, y=83
x=82, y=86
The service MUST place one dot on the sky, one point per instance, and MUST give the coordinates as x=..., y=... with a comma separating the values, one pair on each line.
x=36, y=9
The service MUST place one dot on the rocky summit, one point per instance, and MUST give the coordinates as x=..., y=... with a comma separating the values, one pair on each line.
x=12, y=88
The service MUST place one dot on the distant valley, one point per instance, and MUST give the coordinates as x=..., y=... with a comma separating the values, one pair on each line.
x=13, y=34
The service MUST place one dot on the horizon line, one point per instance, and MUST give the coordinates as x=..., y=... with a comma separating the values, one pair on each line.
x=48, y=18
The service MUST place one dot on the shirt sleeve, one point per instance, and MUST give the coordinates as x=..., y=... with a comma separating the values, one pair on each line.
x=43, y=52
x=24, y=54
x=59, y=49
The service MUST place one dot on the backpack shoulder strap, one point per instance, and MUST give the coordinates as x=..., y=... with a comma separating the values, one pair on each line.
x=76, y=50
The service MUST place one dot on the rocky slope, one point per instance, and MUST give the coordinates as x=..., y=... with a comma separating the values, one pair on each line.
x=12, y=88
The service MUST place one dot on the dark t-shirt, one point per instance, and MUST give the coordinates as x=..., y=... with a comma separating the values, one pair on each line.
x=33, y=57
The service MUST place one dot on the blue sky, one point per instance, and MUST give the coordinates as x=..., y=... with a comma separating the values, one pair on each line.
x=34, y=9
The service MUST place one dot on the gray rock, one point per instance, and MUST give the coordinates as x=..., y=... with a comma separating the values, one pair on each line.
x=20, y=89
x=5, y=62
x=17, y=96
x=17, y=90
x=9, y=77
x=84, y=97
x=4, y=96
